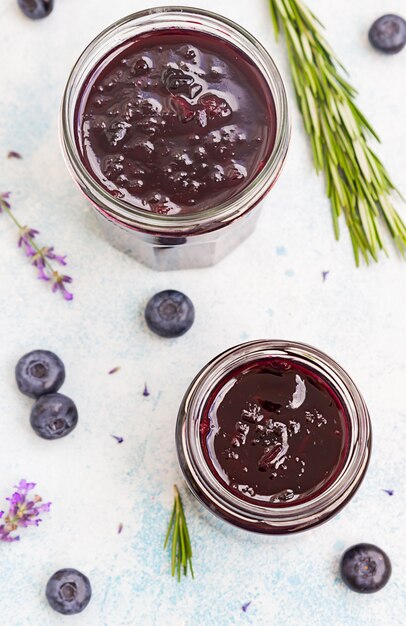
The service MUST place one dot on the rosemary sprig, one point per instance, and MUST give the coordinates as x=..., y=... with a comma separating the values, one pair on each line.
x=178, y=534
x=358, y=184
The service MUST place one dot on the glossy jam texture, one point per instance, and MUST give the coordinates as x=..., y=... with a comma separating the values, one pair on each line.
x=274, y=432
x=175, y=121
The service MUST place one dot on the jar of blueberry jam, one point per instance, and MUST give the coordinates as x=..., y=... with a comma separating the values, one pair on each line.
x=273, y=437
x=174, y=124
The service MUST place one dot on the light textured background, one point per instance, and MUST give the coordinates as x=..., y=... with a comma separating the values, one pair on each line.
x=270, y=287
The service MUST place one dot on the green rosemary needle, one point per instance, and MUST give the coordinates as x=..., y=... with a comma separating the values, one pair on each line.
x=178, y=534
x=358, y=184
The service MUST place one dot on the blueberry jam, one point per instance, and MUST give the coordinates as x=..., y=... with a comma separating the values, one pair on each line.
x=274, y=433
x=175, y=121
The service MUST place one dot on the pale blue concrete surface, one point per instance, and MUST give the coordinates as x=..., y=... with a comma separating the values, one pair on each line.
x=357, y=316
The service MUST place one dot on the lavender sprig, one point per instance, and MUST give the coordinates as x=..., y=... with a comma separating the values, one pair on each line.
x=22, y=512
x=40, y=258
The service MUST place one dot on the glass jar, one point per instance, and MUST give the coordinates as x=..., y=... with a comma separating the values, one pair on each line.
x=187, y=240
x=253, y=515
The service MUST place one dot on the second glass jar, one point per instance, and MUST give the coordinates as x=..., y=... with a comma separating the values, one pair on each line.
x=273, y=437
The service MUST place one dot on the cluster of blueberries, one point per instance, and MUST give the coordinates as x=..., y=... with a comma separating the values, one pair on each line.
x=39, y=375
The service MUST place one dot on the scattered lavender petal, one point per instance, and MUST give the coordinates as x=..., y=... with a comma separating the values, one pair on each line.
x=245, y=606
x=120, y=528
x=14, y=155
x=118, y=439
x=325, y=274
x=390, y=492
x=146, y=392
x=114, y=370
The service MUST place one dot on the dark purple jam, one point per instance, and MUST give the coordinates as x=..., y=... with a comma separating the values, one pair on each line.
x=275, y=433
x=175, y=121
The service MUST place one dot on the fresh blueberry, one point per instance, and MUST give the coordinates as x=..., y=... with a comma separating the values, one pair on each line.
x=36, y=9
x=54, y=416
x=68, y=591
x=170, y=313
x=365, y=568
x=39, y=372
x=388, y=34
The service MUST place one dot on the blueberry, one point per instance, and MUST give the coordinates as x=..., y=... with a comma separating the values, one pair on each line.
x=388, y=34
x=170, y=313
x=365, y=568
x=39, y=372
x=54, y=416
x=36, y=9
x=68, y=591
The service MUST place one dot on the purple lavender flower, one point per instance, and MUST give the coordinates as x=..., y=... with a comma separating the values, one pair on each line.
x=13, y=154
x=324, y=275
x=120, y=528
x=146, y=393
x=390, y=492
x=39, y=262
x=23, y=511
x=245, y=606
x=59, y=281
x=114, y=370
x=50, y=254
x=40, y=257
x=27, y=234
x=4, y=200
x=118, y=439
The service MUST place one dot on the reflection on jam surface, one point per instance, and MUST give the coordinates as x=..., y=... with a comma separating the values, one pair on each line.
x=175, y=121
x=274, y=432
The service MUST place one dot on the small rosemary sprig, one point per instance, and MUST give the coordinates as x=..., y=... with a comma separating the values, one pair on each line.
x=178, y=534
x=358, y=184
x=40, y=257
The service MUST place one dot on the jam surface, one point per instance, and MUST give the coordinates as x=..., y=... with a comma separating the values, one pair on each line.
x=175, y=121
x=274, y=433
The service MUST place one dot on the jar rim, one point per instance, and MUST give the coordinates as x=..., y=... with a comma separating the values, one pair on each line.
x=269, y=519
x=160, y=18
